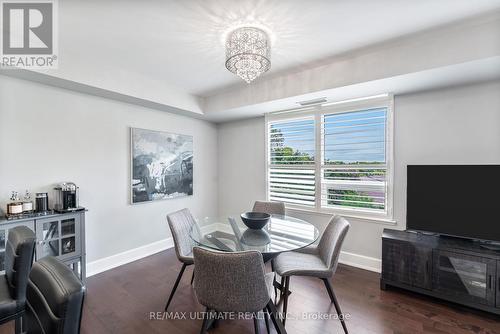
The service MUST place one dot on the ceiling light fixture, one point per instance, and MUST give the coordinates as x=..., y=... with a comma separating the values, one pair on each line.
x=248, y=52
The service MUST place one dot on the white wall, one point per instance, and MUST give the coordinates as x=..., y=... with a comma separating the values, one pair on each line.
x=242, y=165
x=49, y=135
x=454, y=125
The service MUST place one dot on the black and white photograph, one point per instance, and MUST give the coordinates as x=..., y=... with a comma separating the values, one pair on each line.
x=162, y=165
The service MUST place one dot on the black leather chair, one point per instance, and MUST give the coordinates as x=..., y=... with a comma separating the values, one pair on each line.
x=54, y=298
x=19, y=251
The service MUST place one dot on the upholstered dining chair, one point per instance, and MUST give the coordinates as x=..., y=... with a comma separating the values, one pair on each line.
x=180, y=223
x=272, y=208
x=319, y=261
x=234, y=282
x=19, y=251
x=54, y=298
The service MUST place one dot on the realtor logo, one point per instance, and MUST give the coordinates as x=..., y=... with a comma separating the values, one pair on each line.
x=28, y=34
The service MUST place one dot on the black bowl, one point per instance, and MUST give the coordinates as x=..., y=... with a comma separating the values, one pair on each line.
x=255, y=220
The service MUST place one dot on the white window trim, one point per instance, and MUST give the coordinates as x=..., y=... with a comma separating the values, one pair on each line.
x=386, y=101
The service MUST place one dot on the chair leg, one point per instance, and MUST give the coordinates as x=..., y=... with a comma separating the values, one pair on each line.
x=204, y=325
x=215, y=323
x=266, y=319
x=285, y=298
x=274, y=280
x=175, y=285
x=282, y=286
x=18, y=325
x=273, y=313
x=256, y=323
x=333, y=298
x=192, y=278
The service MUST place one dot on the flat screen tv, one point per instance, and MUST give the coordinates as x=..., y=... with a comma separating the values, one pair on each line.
x=454, y=200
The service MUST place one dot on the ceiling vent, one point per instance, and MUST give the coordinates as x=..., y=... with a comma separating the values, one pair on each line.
x=312, y=102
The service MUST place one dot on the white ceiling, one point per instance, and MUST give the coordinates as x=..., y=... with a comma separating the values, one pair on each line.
x=180, y=42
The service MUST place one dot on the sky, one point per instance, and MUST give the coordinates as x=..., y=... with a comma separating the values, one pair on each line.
x=349, y=137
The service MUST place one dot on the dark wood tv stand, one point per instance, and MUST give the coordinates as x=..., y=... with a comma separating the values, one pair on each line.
x=453, y=269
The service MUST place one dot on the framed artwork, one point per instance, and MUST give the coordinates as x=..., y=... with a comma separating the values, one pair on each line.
x=161, y=166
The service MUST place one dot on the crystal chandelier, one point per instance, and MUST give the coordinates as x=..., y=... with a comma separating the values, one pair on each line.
x=248, y=53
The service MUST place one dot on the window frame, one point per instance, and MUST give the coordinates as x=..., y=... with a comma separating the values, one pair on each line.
x=318, y=112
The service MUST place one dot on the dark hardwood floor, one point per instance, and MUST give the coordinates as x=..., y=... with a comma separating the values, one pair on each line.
x=120, y=301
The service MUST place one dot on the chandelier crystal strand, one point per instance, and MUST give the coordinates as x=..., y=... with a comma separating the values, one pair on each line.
x=248, y=53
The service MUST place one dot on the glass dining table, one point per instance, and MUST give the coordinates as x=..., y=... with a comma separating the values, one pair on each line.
x=229, y=234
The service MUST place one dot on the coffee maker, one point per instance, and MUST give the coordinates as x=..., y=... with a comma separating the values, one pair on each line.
x=67, y=198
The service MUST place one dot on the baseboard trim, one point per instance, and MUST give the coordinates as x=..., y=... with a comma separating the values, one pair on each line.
x=116, y=260
x=361, y=261
x=113, y=261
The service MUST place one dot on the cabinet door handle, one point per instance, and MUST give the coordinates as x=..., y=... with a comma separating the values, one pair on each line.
x=490, y=282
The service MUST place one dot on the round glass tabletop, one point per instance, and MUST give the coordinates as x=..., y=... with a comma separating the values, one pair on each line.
x=281, y=234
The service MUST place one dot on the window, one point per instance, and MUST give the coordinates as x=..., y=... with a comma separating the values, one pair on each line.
x=333, y=158
x=354, y=164
x=292, y=162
